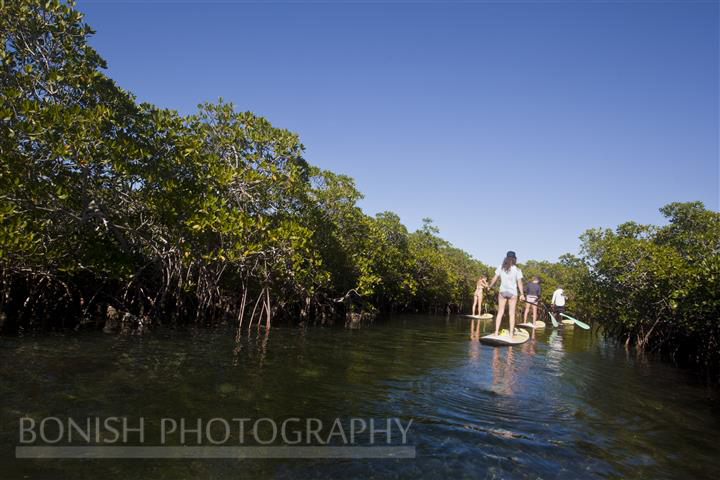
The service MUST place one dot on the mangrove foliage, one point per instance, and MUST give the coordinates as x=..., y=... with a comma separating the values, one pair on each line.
x=111, y=208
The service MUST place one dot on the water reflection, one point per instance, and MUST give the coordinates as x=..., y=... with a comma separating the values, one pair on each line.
x=474, y=346
x=475, y=329
x=561, y=405
x=503, y=370
x=528, y=348
x=555, y=352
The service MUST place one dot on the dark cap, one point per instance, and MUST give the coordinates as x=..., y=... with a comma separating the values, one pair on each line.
x=511, y=254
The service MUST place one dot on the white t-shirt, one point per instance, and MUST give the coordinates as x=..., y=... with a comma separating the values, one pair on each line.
x=558, y=298
x=509, y=279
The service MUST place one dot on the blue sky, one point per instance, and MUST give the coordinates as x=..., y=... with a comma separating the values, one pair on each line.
x=513, y=125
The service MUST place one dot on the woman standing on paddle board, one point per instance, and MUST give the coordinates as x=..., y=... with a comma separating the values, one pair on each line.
x=478, y=298
x=510, y=281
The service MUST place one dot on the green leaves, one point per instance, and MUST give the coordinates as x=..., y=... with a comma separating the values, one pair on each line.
x=180, y=217
x=650, y=284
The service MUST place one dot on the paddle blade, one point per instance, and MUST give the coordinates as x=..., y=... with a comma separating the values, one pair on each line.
x=552, y=318
x=577, y=322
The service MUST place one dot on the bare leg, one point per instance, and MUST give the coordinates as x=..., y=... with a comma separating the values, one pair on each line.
x=527, y=310
x=480, y=303
x=513, y=304
x=534, y=310
x=501, y=310
x=472, y=312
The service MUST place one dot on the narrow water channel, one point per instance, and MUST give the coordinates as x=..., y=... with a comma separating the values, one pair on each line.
x=564, y=405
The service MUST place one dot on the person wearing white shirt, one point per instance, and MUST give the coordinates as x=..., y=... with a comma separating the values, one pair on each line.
x=510, y=281
x=558, y=301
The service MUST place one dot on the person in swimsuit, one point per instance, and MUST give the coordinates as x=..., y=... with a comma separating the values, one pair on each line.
x=510, y=281
x=533, y=294
x=478, y=297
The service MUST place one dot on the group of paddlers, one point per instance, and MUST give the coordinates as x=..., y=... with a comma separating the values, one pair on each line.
x=510, y=282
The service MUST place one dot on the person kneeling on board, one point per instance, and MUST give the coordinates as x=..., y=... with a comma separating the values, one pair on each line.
x=510, y=280
x=558, y=302
x=533, y=294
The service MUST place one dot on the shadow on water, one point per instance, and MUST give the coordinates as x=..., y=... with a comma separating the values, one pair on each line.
x=562, y=405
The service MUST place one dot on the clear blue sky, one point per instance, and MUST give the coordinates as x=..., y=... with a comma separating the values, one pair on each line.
x=514, y=125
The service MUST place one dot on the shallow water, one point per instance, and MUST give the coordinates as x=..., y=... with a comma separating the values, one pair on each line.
x=563, y=405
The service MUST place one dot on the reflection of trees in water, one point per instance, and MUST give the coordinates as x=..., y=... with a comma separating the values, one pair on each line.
x=405, y=347
x=638, y=420
x=257, y=339
x=567, y=340
x=654, y=424
x=576, y=339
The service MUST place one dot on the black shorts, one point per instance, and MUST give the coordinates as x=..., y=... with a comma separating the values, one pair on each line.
x=558, y=309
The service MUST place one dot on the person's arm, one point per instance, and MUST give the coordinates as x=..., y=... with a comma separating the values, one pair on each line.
x=520, y=286
x=492, y=282
x=554, y=296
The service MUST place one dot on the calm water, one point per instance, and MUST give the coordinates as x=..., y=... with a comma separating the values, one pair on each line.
x=565, y=405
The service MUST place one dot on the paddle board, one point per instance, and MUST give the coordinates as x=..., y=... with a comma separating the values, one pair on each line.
x=538, y=324
x=577, y=322
x=484, y=316
x=503, y=340
x=567, y=322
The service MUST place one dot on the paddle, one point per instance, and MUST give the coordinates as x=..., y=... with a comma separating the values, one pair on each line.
x=577, y=322
x=555, y=323
x=552, y=317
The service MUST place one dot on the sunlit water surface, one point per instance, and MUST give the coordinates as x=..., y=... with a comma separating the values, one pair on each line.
x=563, y=405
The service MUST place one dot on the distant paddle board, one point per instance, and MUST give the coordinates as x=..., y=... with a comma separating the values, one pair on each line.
x=567, y=322
x=504, y=340
x=538, y=324
x=484, y=316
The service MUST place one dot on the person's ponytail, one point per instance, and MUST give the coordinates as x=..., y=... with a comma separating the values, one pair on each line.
x=508, y=262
